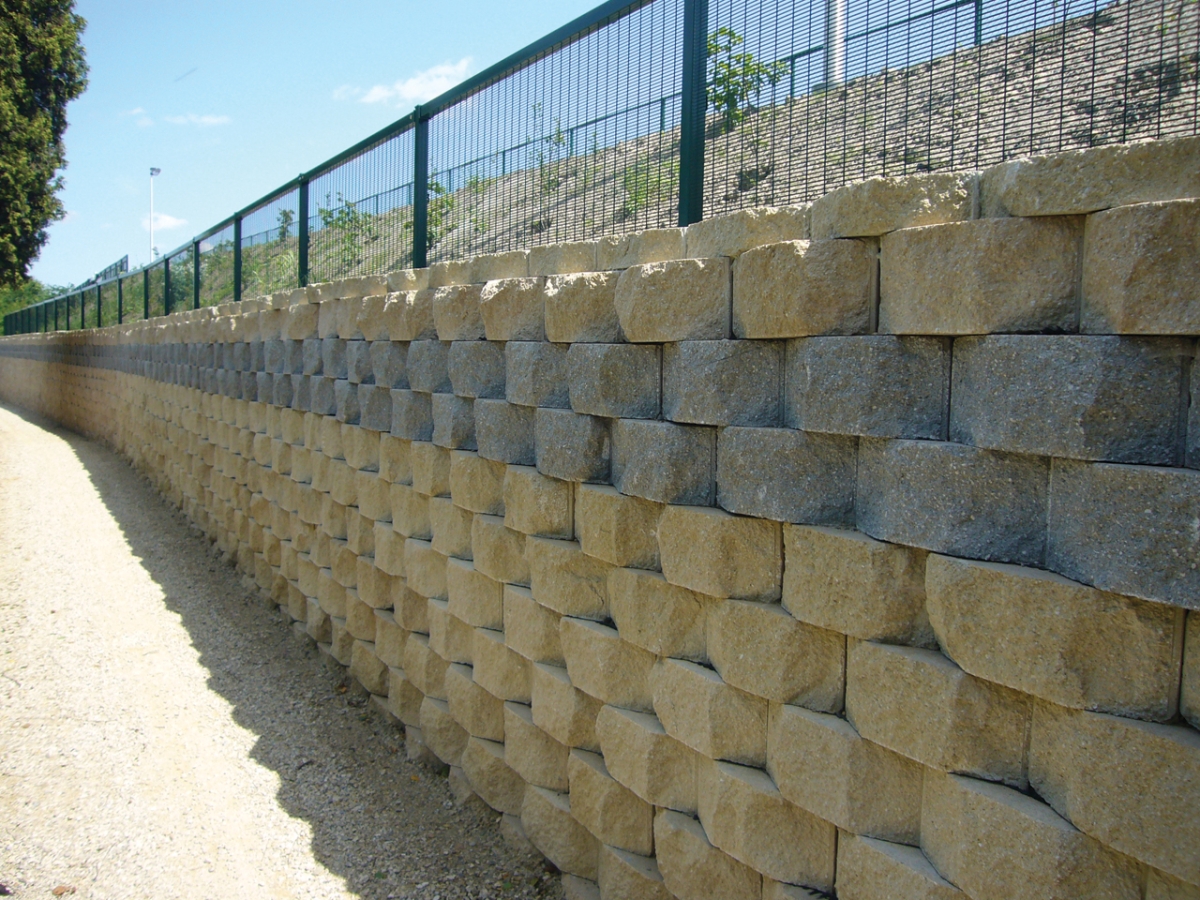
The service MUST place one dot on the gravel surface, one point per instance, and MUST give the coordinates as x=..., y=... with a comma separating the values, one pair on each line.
x=163, y=733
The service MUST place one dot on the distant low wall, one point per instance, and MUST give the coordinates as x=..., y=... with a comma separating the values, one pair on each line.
x=852, y=548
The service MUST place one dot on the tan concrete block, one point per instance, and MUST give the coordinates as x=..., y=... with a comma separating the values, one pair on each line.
x=601, y=664
x=532, y=753
x=500, y=787
x=451, y=528
x=878, y=205
x=480, y=713
x=424, y=668
x=389, y=550
x=456, y=312
x=367, y=669
x=642, y=756
x=330, y=594
x=821, y=764
x=360, y=534
x=345, y=564
x=425, y=568
x=745, y=815
x=500, y=669
x=658, y=616
x=395, y=460
x=546, y=817
x=581, y=308
x=342, y=487
x=1161, y=886
x=410, y=512
x=360, y=446
x=679, y=300
x=992, y=841
x=921, y=705
x=498, y=550
x=444, y=736
x=703, y=712
x=802, y=288
x=531, y=629
x=1189, y=696
x=627, y=876
x=1134, y=786
x=692, y=868
x=560, y=259
x=404, y=698
x=360, y=619
x=565, y=579
x=576, y=888
x=980, y=277
x=870, y=869
x=1140, y=269
x=430, y=468
x=537, y=504
x=1039, y=633
x=375, y=587
x=390, y=639
x=759, y=648
x=476, y=483
x=611, y=812
x=616, y=528
x=845, y=581
x=654, y=245
x=449, y=636
x=474, y=597
x=715, y=553
x=410, y=608
x=373, y=499
x=513, y=309
x=561, y=710
x=732, y=234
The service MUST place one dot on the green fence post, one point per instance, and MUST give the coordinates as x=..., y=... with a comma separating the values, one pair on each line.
x=237, y=259
x=302, y=275
x=166, y=285
x=195, y=274
x=694, y=104
x=420, y=249
x=99, y=306
x=146, y=293
x=120, y=301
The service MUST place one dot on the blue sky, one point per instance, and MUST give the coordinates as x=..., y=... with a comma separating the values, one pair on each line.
x=231, y=99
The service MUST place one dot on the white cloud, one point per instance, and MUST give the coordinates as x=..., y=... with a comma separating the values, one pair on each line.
x=417, y=89
x=162, y=222
x=142, y=119
x=193, y=119
x=70, y=216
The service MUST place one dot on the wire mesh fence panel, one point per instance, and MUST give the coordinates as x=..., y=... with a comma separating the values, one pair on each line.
x=155, y=276
x=182, y=280
x=361, y=213
x=271, y=246
x=132, y=299
x=582, y=142
x=216, y=267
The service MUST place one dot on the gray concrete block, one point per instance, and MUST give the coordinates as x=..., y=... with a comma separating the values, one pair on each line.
x=247, y=388
x=324, y=403
x=264, y=386
x=790, y=476
x=313, y=351
x=953, y=499
x=570, y=446
x=453, y=422
x=358, y=362
x=1127, y=529
x=333, y=357
x=257, y=359
x=346, y=396
x=294, y=351
x=412, y=415
x=302, y=392
x=477, y=368
x=722, y=382
x=870, y=385
x=504, y=432
x=536, y=374
x=389, y=362
x=281, y=394
x=615, y=380
x=276, y=356
x=665, y=462
x=375, y=407
x=1077, y=396
x=1193, y=428
x=428, y=368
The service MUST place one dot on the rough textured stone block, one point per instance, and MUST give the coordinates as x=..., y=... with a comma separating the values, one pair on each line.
x=693, y=868
x=1161, y=886
x=531, y=629
x=732, y=234
x=498, y=668
x=1193, y=425
x=451, y=528
x=532, y=753
x=875, y=385
x=456, y=312
x=712, y=552
x=474, y=597
x=744, y=814
x=1131, y=785
x=498, y=551
x=992, y=841
x=491, y=777
x=658, y=616
x=404, y=699
x=1044, y=635
x=563, y=258
x=367, y=669
x=570, y=446
x=624, y=874
x=679, y=300
x=453, y=422
x=878, y=205
x=431, y=469
x=449, y=636
x=821, y=764
x=1100, y=398
x=581, y=308
x=425, y=568
x=611, y=812
x=375, y=407
x=513, y=309
x=923, y=706
x=444, y=736
x=980, y=277
x=662, y=461
x=615, y=380
x=653, y=245
x=722, y=382
x=870, y=869
x=477, y=484
x=476, y=710
x=408, y=315
x=358, y=362
x=410, y=512
x=546, y=816
x=855, y=585
x=537, y=504
x=412, y=415
x=953, y=499
x=616, y=528
x=395, y=460
x=345, y=396
x=798, y=288
x=536, y=374
x=428, y=366
x=602, y=665
x=786, y=475
x=333, y=358
x=390, y=639
x=561, y=710
x=703, y=712
x=1128, y=529
x=759, y=648
x=504, y=432
x=476, y=368
x=1189, y=697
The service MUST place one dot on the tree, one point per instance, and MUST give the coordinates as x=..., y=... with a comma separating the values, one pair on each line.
x=42, y=69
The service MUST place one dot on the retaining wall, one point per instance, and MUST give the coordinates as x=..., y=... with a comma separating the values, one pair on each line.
x=845, y=549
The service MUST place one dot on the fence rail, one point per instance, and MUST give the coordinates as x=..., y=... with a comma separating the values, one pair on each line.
x=661, y=112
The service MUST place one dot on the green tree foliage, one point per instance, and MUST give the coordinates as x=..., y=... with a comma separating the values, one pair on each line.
x=27, y=293
x=42, y=69
x=737, y=77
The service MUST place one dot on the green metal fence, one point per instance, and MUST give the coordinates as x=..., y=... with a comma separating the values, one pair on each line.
x=661, y=112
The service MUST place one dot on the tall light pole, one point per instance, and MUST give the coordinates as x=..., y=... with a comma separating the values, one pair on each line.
x=153, y=172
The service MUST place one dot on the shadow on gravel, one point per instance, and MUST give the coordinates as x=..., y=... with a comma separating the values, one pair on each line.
x=386, y=825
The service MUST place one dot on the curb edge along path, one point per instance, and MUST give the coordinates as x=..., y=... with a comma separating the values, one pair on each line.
x=162, y=733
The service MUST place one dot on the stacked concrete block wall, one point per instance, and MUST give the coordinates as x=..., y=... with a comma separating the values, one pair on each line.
x=850, y=550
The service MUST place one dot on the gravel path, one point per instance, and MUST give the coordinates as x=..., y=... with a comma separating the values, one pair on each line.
x=163, y=733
